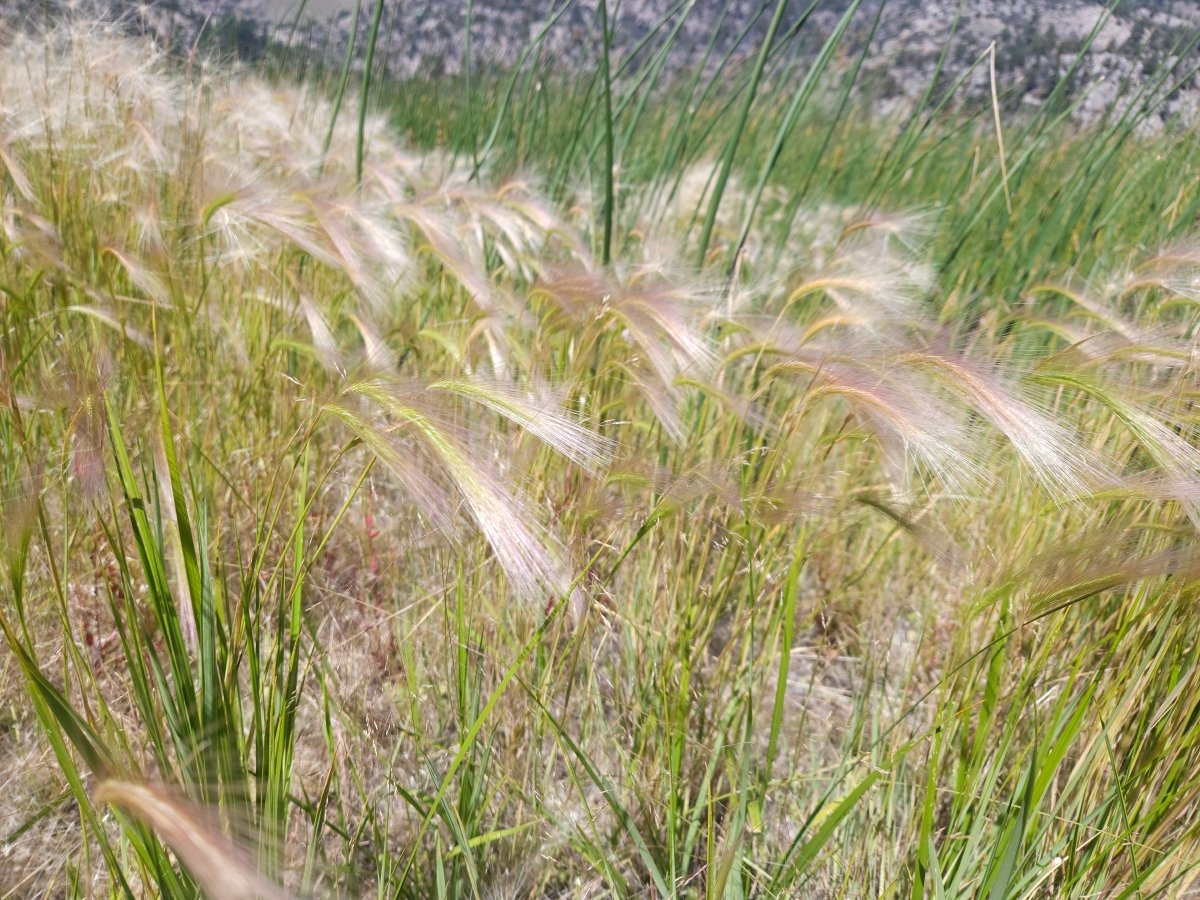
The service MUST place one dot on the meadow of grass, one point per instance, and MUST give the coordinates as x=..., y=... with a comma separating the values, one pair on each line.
x=590, y=495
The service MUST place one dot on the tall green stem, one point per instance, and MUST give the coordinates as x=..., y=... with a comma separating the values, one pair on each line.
x=368, y=68
x=609, y=144
x=760, y=65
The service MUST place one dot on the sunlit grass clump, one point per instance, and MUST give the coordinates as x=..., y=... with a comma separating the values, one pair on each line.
x=366, y=534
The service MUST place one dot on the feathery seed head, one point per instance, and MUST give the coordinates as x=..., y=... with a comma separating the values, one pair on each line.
x=222, y=868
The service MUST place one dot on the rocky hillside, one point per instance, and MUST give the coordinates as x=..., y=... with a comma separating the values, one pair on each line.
x=1036, y=41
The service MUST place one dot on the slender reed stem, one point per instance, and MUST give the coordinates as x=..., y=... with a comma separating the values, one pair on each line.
x=368, y=71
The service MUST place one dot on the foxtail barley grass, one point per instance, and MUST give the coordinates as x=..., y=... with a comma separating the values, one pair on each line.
x=427, y=521
x=219, y=866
